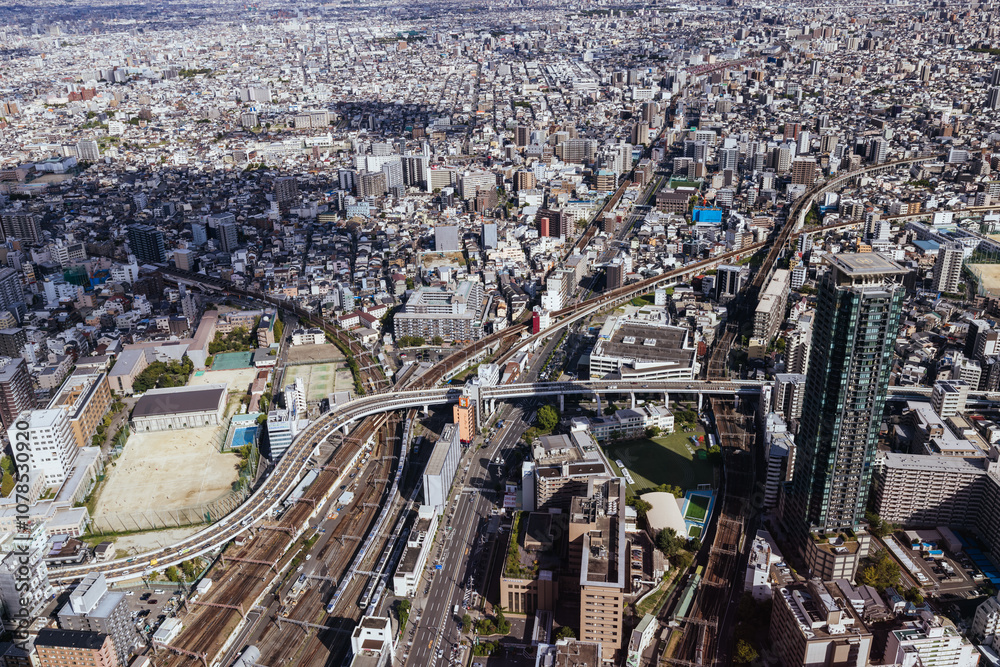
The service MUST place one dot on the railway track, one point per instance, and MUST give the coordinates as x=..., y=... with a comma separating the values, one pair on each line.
x=207, y=628
x=305, y=645
x=704, y=627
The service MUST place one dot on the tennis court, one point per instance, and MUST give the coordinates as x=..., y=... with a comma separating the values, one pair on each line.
x=230, y=361
x=697, y=507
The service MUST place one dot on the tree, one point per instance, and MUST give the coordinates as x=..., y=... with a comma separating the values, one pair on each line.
x=437, y=340
x=466, y=622
x=173, y=574
x=694, y=544
x=881, y=572
x=565, y=632
x=548, y=417
x=639, y=505
x=668, y=542
x=877, y=526
x=914, y=596
x=745, y=653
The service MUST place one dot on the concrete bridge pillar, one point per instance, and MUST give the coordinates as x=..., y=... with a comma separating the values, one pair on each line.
x=666, y=399
x=597, y=397
x=343, y=429
x=632, y=396
x=562, y=403
x=427, y=409
x=700, y=396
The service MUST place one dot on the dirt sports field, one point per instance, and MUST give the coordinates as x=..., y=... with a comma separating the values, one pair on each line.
x=989, y=276
x=163, y=470
x=303, y=354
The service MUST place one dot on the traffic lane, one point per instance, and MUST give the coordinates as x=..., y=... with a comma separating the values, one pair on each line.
x=444, y=586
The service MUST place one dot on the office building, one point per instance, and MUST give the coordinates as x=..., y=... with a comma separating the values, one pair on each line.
x=146, y=243
x=53, y=447
x=948, y=267
x=810, y=627
x=561, y=467
x=21, y=225
x=281, y=430
x=199, y=235
x=72, y=648
x=93, y=608
x=614, y=275
x=16, y=395
x=439, y=473
x=857, y=320
x=446, y=238
x=453, y=314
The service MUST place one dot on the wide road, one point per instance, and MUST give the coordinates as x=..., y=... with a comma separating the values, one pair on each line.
x=438, y=626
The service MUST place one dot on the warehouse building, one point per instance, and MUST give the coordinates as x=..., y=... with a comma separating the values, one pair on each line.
x=180, y=407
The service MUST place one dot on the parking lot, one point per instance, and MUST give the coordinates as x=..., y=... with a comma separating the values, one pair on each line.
x=151, y=605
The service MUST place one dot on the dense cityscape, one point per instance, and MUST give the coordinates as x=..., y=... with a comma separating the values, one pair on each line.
x=506, y=333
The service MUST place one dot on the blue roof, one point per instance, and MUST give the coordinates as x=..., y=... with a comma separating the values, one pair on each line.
x=927, y=245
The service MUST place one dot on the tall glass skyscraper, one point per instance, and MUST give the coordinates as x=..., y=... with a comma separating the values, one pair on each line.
x=857, y=321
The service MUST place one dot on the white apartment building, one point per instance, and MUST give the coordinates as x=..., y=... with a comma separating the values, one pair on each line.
x=930, y=642
x=51, y=445
x=18, y=568
x=418, y=548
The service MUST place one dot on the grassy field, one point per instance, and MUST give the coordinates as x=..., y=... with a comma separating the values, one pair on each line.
x=663, y=460
x=697, y=508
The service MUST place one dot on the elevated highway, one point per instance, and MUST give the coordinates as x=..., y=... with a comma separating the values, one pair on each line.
x=286, y=473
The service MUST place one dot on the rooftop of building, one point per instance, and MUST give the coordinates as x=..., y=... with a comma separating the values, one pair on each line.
x=631, y=339
x=179, y=400
x=72, y=639
x=865, y=264
x=821, y=610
